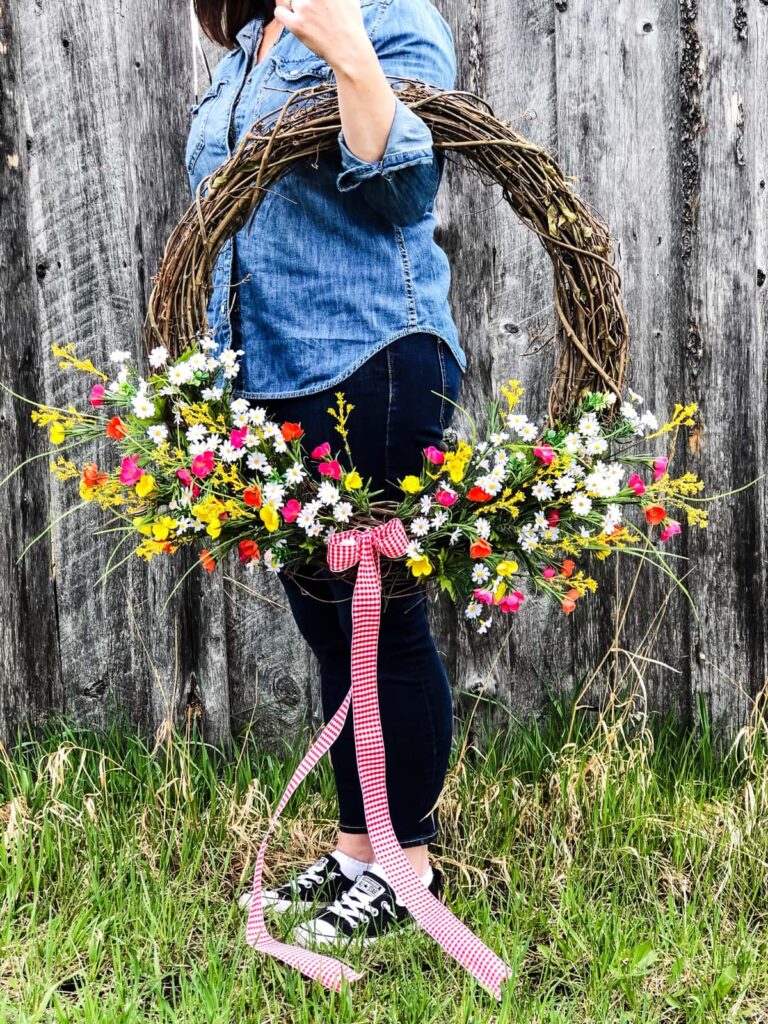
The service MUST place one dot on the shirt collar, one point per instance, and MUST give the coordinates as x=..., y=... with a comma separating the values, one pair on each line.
x=248, y=33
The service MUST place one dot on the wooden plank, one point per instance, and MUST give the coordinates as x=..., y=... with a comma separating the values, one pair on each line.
x=502, y=301
x=105, y=88
x=30, y=679
x=724, y=368
x=617, y=74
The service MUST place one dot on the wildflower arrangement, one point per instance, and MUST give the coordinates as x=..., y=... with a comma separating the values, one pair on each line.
x=493, y=519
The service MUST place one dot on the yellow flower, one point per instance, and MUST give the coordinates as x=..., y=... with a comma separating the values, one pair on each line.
x=456, y=462
x=500, y=591
x=420, y=566
x=411, y=484
x=145, y=485
x=213, y=529
x=506, y=567
x=57, y=433
x=353, y=480
x=269, y=517
x=161, y=530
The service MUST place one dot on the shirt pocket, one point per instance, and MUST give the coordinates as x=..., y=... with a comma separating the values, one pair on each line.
x=300, y=72
x=200, y=113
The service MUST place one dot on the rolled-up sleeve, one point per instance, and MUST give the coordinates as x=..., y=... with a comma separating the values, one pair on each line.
x=414, y=43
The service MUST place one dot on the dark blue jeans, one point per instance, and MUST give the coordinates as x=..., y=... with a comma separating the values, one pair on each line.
x=396, y=415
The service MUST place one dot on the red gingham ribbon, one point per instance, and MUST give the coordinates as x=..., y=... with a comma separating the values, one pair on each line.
x=363, y=547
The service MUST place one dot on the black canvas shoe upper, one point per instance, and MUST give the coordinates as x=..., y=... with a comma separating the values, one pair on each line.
x=319, y=884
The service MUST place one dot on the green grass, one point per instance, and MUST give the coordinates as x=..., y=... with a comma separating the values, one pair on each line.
x=622, y=871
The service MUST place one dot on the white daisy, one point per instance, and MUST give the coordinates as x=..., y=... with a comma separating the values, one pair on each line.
x=207, y=343
x=158, y=432
x=198, y=362
x=480, y=573
x=589, y=425
x=259, y=462
x=425, y=502
x=581, y=504
x=455, y=536
x=327, y=494
x=439, y=519
x=305, y=518
x=529, y=432
x=143, y=407
x=180, y=374
x=228, y=452
x=196, y=433
x=273, y=493
x=211, y=394
x=342, y=512
x=596, y=446
x=565, y=483
x=295, y=473
x=158, y=357
x=119, y=356
x=473, y=609
x=257, y=415
x=420, y=527
x=542, y=491
x=484, y=625
x=483, y=527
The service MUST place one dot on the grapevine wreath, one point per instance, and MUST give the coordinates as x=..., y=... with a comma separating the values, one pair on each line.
x=513, y=509
x=491, y=518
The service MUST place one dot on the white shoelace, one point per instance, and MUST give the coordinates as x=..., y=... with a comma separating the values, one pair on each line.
x=353, y=907
x=310, y=876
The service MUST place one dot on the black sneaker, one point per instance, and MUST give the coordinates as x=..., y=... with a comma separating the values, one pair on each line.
x=319, y=884
x=368, y=911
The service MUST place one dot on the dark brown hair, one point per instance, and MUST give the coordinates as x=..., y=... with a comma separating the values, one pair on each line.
x=221, y=20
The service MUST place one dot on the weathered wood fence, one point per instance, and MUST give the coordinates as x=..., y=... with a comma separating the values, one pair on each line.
x=658, y=107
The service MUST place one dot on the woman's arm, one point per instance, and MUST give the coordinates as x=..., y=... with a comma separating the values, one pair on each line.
x=386, y=148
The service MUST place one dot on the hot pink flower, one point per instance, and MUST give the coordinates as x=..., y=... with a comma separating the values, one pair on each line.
x=511, y=602
x=483, y=596
x=660, y=467
x=445, y=498
x=203, y=464
x=331, y=468
x=545, y=452
x=669, y=530
x=184, y=476
x=130, y=473
x=637, y=483
x=290, y=510
x=97, y=395
x=322, y=450
x=435, y=455
x=238, y=435
x=549, y=572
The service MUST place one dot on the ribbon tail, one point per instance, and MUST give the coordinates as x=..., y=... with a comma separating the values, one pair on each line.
x=328, y=971
x=429, y=912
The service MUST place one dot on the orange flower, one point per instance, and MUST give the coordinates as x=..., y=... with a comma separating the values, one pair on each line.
x=568, y=566
x=568, y=605
x=291, y=431
x=207, y=560
x=252, y=496
x=573, y=594
x=116, y=428
x=655, y=513
x=92, y=477
x=477, y=494
x=480, y=548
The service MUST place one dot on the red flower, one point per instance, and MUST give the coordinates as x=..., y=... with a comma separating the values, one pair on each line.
x=480, y=548
x=248, y=550
x=568, y=566
x=331, y=468
x=322, y=450
x=116, y=429
x=477, y=494
x=252, y=496
x=553, y=517
x=203, y=464
x=207, y=560
x=291, y=510
x=291, y=431
x=655, y=513
x=568, y=605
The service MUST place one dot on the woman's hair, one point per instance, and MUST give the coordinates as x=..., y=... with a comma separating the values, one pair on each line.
x=221, y=20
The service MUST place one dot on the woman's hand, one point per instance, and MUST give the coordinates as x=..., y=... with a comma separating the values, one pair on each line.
x=335, y=31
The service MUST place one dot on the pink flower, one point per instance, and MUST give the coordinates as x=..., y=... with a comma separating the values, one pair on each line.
x=660, y=467
x=290, y=510
x=331, y=468
x=435, y=455
x=184, y=476
x=637, y=483
x=445, y=498
x=549, y=572
x=669, y=530
x=545, y=452
x=322, y=450
x=511, y=602
x=97, y=395
x=130, y=473
x=483, y=596
x=203, y=464
x=238, y=435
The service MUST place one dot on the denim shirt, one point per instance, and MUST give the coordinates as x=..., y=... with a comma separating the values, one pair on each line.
x=340, y=258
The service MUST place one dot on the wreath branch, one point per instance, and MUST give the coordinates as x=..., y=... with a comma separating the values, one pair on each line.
x=592, y=330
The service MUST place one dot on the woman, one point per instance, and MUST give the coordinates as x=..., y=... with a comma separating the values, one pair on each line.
x=340, y=286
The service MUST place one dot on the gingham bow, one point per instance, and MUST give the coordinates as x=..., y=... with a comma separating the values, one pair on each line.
x=362, y=548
